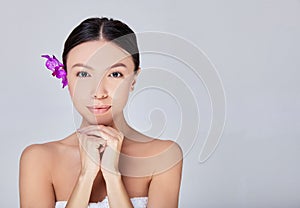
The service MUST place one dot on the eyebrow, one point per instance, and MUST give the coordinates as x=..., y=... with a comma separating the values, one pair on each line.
x=89, y=67
x=82, y=65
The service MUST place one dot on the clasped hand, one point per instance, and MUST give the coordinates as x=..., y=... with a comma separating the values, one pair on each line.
x=100, y=148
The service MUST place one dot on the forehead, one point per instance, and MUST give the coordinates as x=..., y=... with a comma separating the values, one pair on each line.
x=98, y=54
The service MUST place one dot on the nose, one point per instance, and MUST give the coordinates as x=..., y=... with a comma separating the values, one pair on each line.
x=100, y=91
x=100, y=97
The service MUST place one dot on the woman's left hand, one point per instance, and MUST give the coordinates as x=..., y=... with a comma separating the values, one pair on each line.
x=110, y=158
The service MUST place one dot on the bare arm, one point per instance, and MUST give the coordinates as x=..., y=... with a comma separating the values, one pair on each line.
x=35, y=185
x=81, y=193
x=90, y=166
x=117, y=194
x=165, y=186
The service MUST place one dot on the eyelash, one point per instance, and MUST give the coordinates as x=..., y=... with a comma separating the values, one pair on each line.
x=77, y=74
x=120, y=74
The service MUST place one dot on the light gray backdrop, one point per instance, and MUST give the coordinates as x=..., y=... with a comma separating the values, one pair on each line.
x=254, y=46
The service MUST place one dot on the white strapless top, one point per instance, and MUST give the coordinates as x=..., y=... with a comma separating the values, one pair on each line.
x=137, y=202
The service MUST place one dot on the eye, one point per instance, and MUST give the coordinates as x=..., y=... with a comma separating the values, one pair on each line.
x=82, y=74
x=116, y=74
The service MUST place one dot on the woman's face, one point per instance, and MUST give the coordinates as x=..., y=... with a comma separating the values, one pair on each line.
x=100, y=77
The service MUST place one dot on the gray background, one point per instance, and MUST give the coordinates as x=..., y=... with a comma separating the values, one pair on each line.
x=254, y=46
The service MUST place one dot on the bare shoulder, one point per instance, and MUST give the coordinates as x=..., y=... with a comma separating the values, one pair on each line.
x=47, y=149
x=35, y=181
x=40, y=151
x=166, y=146
x=153, y=147
x=40, y=156
x=168, y=155
x=149, y=156
x=166, y=179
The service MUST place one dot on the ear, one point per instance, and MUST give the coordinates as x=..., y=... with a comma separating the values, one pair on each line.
x=134, y=79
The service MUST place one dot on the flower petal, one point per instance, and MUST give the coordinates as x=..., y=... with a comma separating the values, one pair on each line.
x=57, y=68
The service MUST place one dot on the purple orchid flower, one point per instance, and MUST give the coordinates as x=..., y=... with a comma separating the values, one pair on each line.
x=64, y=82
x=57, y=68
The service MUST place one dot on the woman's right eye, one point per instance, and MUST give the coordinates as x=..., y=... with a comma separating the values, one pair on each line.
x=82, y=74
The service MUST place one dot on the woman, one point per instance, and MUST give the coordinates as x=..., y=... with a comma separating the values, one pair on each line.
x=105, y=163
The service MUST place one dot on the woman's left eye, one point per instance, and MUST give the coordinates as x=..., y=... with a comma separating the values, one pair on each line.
x=116, y=74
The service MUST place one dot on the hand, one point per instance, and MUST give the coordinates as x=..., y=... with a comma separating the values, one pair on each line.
x=91, y=147
x=109, y=162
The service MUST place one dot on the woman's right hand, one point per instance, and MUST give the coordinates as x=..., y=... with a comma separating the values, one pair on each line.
x=91, y=148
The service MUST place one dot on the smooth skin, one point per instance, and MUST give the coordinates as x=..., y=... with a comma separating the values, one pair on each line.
x=105, y=156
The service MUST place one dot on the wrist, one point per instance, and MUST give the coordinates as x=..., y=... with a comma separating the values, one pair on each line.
x=88, y=174
x=113, y=182
x=111, y=176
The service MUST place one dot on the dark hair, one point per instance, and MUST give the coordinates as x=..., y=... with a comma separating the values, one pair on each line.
x=108, y=29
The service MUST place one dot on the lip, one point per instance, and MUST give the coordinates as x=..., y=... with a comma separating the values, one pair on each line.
x=99, y=109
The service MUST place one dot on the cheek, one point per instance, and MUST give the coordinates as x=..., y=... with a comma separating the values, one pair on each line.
x=120, y=90
x=120, y=94
x=80, y=90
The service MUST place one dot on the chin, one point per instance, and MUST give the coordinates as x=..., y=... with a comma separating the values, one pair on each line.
x=106, y=119
x=99, y=120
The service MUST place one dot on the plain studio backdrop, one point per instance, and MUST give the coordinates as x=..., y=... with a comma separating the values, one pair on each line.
x=254, y=46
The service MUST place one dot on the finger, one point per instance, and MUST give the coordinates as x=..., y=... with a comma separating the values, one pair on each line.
x=99, y=134
x=89, y=140
x=113, y=133
x=89, y=127
x=100, y=128
x=100, y=141
x=107, y=129
x=102, y=148
x=109, y=139
x=91, y=130
x=110, y=130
